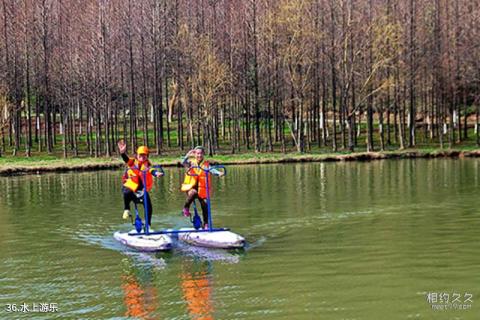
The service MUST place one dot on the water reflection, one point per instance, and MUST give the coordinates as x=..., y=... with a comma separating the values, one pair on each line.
x=334, y=240
x=210, y=254
x=140, y=296
x=197, y=289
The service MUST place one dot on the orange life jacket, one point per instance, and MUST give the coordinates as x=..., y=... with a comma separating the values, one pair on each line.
x=134, y=175
x=197, y=178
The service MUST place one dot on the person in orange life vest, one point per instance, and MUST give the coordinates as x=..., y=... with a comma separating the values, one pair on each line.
x=195, y=186
x=133, y=184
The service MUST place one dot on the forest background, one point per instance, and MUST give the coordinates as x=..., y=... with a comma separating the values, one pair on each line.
x=237, y=76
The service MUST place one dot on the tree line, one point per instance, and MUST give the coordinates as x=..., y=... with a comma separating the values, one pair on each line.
x=237, y=75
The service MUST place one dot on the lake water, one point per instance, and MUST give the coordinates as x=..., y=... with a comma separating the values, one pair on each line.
x=392, y=239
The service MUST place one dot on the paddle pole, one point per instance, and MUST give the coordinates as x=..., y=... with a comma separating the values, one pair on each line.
x=210, y=223
x=145, y=197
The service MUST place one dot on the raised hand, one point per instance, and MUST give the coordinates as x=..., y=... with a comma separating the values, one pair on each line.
x=122, y=147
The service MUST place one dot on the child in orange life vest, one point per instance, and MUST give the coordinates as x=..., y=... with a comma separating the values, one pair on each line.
x=133, y=184
x=195, y=186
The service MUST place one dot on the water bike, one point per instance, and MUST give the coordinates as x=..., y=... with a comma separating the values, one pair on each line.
x=146, y=240
x=211, y=237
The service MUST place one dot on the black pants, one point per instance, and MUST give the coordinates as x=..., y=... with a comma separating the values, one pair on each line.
x=129, y=196
x=191, y=196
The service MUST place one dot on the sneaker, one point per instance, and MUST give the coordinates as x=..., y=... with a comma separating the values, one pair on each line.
x=126, y=214
x=205, y=227
x=186, y=212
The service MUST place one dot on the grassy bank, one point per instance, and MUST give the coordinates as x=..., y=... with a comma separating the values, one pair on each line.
x=37, y=164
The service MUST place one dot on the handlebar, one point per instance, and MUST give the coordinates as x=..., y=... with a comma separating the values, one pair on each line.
x=159, y=168
x=207, y=170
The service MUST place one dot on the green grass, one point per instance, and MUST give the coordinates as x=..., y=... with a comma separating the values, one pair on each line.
x=52, y=162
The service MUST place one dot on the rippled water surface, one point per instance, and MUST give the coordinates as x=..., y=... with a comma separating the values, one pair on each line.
x=378, y=240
